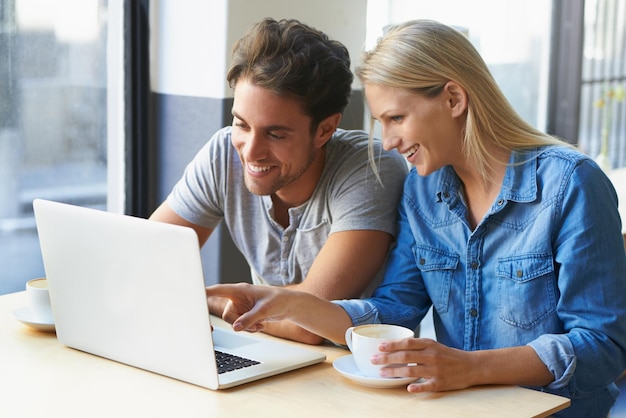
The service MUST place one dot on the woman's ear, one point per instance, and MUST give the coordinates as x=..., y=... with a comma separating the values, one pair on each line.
x=457, y=98
x=326, y=128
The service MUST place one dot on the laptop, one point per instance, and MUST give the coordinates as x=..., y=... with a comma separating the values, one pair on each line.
x=132, y=290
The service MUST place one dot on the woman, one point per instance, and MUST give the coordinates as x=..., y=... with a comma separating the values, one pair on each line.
x=511, y=235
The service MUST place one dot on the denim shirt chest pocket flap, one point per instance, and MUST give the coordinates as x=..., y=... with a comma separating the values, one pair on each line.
x=527, y=292
x=437, y=267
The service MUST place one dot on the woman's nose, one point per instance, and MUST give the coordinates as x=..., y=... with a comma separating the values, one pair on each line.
x=390, y=140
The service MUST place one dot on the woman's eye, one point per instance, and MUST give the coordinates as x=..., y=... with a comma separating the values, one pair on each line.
x=396, y=118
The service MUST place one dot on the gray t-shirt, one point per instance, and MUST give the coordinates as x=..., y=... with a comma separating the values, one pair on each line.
x=347, y=197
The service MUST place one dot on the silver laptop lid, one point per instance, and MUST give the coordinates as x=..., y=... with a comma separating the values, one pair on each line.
x=128, y=289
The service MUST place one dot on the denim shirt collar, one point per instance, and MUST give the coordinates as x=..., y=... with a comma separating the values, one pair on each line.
x=519, y=183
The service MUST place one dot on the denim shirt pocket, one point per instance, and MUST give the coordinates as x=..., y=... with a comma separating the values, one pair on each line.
x=437, y=267
x=526, y=288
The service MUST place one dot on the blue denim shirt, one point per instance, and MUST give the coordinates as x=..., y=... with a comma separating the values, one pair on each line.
x=546, y=267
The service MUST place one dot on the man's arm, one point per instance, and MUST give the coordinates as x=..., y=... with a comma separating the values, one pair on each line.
x=165, y=214
x=343, y=269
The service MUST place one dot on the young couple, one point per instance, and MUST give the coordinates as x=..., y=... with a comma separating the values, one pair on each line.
x=511, y=235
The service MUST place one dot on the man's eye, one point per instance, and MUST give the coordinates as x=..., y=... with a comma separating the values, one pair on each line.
x=275, y=136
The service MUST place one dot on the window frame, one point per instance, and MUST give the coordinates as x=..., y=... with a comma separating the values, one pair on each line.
x=566, y=69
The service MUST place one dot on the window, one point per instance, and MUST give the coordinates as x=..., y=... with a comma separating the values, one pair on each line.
x=513, y=39
x=561, y=64
x=602, y=105
x=54, y=117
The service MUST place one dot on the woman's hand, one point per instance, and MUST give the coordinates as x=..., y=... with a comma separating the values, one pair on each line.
x=440, y=367
x=443, y=368
x=249, y=306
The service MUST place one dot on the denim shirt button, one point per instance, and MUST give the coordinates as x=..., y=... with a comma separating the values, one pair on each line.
x=422, y=261
x=519, y=273
x=446, y=195
x=474, y=265
x=473, y=312
x=500, y=202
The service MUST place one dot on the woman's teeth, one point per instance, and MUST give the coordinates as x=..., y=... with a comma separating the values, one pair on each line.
x=410, y=152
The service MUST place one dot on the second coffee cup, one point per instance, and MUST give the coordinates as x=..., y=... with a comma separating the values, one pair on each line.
x=39, y=300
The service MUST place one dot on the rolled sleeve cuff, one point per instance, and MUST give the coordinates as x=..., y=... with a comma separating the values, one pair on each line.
x=557, y=353
x=360, y=311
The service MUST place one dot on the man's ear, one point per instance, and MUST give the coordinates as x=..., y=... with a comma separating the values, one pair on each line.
x=326, y=128
x=456, y=96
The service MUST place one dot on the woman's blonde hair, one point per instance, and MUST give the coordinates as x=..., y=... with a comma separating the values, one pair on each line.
x=422, y=56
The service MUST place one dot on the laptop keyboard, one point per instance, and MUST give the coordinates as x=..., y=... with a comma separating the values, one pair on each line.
x=229, y=362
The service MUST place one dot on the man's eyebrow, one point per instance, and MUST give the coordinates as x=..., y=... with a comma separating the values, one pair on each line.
x=267, y=128
x=235, y=114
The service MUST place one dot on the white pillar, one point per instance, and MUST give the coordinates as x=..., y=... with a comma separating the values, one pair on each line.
x=191, y=40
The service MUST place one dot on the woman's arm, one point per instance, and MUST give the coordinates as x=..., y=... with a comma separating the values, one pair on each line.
x=344, y=268
x=255, y=306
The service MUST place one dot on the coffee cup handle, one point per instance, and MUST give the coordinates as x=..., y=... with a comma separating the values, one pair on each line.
x=349, y=337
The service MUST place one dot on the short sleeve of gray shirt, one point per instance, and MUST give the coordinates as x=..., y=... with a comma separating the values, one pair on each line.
x=348, y=197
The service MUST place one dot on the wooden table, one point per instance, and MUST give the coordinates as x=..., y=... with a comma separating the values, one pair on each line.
x=41, y=377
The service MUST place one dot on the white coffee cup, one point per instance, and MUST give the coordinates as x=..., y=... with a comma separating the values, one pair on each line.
x=39, y=299
x=363, y=342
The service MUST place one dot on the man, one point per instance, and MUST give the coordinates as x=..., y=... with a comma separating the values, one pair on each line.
x=297, y=194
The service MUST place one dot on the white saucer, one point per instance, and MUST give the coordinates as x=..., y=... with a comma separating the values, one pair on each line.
x=347, y=367
x=26, y=317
